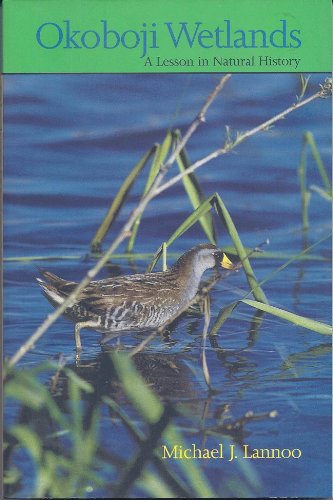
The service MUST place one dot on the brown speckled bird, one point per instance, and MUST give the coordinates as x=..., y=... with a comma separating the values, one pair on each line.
x=134, y=302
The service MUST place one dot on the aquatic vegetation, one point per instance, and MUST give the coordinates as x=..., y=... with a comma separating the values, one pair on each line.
x=60, y=407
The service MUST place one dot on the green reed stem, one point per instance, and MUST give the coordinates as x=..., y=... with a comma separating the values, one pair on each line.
x=319, y=162
x=305, y=194
x=302, y=174
x=118, y=201
x=227, y=310
x=160, y=155
x=252, y=280
x=193, y=190
x=302, y=321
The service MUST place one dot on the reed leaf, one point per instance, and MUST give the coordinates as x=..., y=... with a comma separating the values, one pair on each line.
x=140, y=395
x=29, y=440
x=223, y=315
x=128, y=423
x=11, y=476
x=302, y=321
x=118, y=202
x=289, y=261
x=302, y=171
x=164, y=255
x=181, y=229
x=151, y=409
x=135, y=465
x=175, y=482
x=230, y=226
x=190, y=469
x=29, y=391
x=32, y=258
x=193, y=190
x=78, y=381
x=226, y=311
x=316, y=155
x=149, y=255
x=160, y=155
x=155, y=486
x=195, y=216
x=305, y=195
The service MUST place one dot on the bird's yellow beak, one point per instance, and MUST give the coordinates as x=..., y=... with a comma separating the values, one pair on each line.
x=226, y=262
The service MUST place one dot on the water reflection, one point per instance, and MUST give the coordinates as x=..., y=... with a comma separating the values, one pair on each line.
x=172, y=379
x=236, y=362
x=305, y=363
x=297, y=290
x=66, y=127
x=167, y=375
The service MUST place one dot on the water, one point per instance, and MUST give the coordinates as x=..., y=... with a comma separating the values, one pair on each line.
x=70, y=140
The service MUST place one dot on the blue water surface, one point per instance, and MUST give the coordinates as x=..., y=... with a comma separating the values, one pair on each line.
x=70, y=141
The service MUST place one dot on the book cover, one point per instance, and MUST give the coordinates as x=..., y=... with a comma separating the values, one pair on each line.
x=167, y=249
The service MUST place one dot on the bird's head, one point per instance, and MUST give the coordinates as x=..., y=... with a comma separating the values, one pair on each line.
x=203, y=257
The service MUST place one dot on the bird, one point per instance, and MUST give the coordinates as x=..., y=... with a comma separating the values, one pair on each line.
x=134, y=302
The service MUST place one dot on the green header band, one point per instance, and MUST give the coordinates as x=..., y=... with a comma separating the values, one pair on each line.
x=171, y=36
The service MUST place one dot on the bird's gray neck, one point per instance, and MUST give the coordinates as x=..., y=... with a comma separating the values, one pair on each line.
x=191, y=277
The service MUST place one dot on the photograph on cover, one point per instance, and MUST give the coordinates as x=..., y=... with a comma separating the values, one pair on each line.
x=194, y=359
